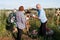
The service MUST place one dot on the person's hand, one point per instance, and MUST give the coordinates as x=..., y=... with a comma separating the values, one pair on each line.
x=34, y=16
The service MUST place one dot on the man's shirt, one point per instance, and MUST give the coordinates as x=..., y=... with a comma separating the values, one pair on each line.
x=42, y=15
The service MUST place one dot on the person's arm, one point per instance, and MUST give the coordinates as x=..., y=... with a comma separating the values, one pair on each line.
x=34, y=16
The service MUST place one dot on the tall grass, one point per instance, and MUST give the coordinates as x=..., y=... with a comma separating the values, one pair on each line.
x=51, y=24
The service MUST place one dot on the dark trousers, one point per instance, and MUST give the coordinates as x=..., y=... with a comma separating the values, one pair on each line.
x=42, y=29
x=19, y=34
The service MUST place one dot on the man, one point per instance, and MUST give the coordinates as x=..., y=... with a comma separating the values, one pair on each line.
x=42, y=17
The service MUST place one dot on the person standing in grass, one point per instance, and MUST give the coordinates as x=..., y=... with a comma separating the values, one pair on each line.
x=42, y=17
x=20, y=21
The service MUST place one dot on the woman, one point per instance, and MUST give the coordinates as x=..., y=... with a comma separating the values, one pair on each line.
x=20, y=21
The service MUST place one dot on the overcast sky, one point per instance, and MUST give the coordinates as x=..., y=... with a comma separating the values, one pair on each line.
x=11, y=4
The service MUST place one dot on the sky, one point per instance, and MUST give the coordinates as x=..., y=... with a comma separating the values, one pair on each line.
x=14, y=4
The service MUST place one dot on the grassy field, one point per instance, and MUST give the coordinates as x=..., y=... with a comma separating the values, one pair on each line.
x=51, y=24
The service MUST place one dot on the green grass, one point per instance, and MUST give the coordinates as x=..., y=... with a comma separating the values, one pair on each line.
x=34, y=23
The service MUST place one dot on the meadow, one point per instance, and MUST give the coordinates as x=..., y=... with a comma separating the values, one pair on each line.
x=52, y=23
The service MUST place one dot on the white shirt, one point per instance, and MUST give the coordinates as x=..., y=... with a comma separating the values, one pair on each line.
x=42, y=16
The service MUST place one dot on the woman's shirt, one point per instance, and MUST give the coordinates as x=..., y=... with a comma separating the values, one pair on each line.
x=20, y=17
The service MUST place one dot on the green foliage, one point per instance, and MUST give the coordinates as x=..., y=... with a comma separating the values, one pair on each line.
x=33, y=22
x=3, y=31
